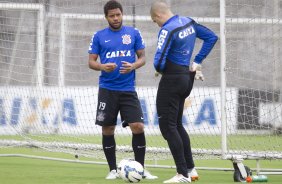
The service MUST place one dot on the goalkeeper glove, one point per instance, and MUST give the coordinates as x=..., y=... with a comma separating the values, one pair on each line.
x=195, y=67
x=157, y=74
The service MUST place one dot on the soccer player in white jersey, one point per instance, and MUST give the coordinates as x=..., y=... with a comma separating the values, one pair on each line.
x=117, y=46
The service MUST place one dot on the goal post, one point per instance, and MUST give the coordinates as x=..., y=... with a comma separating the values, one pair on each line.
x=236, y=111
x=40, y=35
x=223, y=79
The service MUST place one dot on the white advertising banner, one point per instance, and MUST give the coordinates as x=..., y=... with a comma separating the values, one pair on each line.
x=72, y=110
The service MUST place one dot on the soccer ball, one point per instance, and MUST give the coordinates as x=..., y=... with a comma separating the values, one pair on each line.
x=130, y=170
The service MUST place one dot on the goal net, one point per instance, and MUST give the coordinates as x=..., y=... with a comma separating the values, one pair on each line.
x=48, y=94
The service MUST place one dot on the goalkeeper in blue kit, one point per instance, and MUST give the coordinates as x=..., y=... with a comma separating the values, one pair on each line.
x=176, y=41
x=117, y=47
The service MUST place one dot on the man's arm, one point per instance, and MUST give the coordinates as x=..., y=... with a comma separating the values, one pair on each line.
x=209, y=39
x=128, y=67
x=163, y=47
x=95, y=65
x=141, y=59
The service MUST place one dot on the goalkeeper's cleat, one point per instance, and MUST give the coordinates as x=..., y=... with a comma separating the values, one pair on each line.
x=179, y=178
x=193, y=174
x=112, y=175
x=147, y=175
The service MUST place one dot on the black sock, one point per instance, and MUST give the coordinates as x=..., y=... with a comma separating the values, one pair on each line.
x=109, y=147
x=139, y=147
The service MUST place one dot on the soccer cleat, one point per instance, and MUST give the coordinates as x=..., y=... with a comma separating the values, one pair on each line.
x=193, y=174
x=147, y=175
x=112, y=175
x=179, y=178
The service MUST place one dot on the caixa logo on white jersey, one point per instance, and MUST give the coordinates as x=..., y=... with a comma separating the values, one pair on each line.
x=118, y=53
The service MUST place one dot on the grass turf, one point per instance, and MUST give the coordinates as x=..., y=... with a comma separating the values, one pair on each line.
x=16, y=170
x=33, y=171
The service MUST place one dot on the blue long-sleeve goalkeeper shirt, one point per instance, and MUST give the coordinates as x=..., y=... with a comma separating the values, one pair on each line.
x=176, y=41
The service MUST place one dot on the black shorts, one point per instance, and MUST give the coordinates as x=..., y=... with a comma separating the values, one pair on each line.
x=110, y=103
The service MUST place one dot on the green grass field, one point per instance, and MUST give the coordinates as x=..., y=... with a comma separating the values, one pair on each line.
x=19, y=170
x=33, y=171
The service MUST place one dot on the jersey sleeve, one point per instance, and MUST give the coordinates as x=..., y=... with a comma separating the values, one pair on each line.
x=209, y=39
x=139, y=42
x=94, y=46
x=163, y=46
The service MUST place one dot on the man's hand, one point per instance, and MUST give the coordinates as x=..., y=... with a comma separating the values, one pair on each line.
x=195, y=67
x=157, y=74
x=126, y=67
x=199, y=75
x=108, y=67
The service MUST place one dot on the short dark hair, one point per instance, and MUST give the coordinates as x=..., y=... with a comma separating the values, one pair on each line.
x=110, y=5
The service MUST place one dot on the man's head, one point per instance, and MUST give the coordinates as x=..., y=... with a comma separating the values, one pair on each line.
x=160, y=12
x=113, y=13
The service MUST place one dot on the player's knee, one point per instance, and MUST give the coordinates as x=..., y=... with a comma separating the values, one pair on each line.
x=137, y=128
x=108, y=130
